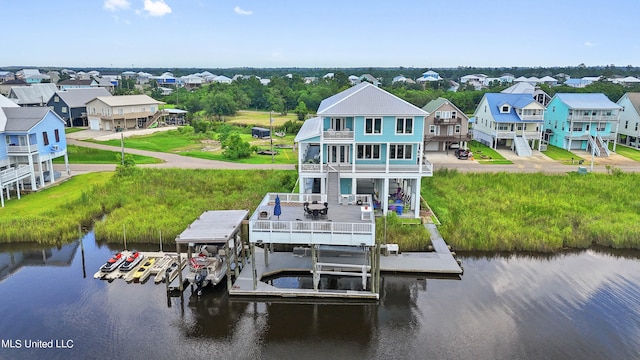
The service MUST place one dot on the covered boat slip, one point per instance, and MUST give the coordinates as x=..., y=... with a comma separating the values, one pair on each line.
x=340, y=239
x=220, y=227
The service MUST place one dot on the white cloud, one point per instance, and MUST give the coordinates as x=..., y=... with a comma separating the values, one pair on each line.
x=589, y=44
x=156, y=8
x=239, y=11
x=115, y=5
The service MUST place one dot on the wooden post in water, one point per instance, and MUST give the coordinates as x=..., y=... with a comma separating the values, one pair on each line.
x=84, y=269
x=160, y=231
x=226, y=254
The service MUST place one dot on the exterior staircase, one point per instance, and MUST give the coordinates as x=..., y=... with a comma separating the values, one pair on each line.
x=154, y=119
x=333, y=187
x=522, y=147
x=602, y=146
x=594, y=146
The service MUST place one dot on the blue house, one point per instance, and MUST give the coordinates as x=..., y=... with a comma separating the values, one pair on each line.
x=512, y=121
x=30, y=138
x=365, y=141
x=582, y=122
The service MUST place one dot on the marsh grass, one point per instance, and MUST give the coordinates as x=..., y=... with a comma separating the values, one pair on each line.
x=52, y=216
x=535, y=212
x=409, y=234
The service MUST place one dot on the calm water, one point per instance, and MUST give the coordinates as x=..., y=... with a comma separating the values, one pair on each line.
x=580, y=305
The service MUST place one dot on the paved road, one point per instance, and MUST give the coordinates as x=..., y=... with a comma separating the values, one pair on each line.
x=535, y=163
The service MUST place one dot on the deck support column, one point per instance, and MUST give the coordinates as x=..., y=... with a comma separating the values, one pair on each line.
x=236, y=270
x=226, y=254
x=181, y=286
x=253, y=266
x=314, y=267
x=266, y=254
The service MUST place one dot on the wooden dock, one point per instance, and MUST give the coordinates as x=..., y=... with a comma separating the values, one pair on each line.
x=439, y=262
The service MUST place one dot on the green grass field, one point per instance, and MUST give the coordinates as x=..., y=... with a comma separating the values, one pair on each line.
x=72, y=130
x=192, y=145
x=85, y=155
x=259, y=118
x=626, y=151
x=564, y=156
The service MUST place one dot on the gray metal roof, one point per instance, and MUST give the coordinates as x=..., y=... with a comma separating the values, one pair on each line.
x=311, y=128
x=33, y=94
x=126, y=100
x=4, y=102
x=213, y=227
x=367, y=99
x=23, y=118
x=587, y=101
x=77, y=98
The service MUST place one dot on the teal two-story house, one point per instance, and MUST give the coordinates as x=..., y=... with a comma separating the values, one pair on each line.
x=30, y=138
x=365, y=141
x=578, y=121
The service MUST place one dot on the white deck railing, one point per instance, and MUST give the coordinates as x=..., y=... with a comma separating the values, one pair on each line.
x=311, y=232
x=427, y=168
x=13, y=174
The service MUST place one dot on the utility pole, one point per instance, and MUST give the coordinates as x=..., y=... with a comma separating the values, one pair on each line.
x=122, y=147
x=273, y=158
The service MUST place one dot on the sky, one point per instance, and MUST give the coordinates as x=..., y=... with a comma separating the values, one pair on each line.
x=318, y=34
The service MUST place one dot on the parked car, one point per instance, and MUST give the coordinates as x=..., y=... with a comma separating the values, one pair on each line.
x=461, y=154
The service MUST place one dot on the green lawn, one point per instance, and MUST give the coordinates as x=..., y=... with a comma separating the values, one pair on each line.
x=84, y=155
x=628, y=152
x=486, y=155
x=192, y=145
x=72, y=130
x=564, y=156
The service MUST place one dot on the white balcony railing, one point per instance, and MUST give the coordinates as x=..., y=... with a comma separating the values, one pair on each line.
x=22, y=149
x=337, y=135
x=312, y=232
x=427, y=168
x=593, y=118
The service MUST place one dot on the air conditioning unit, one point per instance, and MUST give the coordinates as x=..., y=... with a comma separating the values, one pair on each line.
x=55, y=147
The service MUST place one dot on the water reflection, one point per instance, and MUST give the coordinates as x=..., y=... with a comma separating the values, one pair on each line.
x=13, y=257
x=573, y=304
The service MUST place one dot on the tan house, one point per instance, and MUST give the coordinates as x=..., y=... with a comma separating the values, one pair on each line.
x=446, y=125
x=114, y=113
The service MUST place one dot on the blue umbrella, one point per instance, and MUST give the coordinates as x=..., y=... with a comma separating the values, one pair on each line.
x=276, y=209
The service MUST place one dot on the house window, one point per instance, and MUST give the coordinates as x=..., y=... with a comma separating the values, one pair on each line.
x=372, y=125
x=438, y=114
x=432, y=129
x=601, y=127
x=120, y=111
x=45, y=138
x=56, y=132
x=404, y=126
x=64, y=109
x=503, y=127
x=401, y=152
x=457, y=130
x=505, y=109
x=626, y=124
x=56, y=98
x=453, y=114
x=368, y=152
x=636, y=127
x=577, y=128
